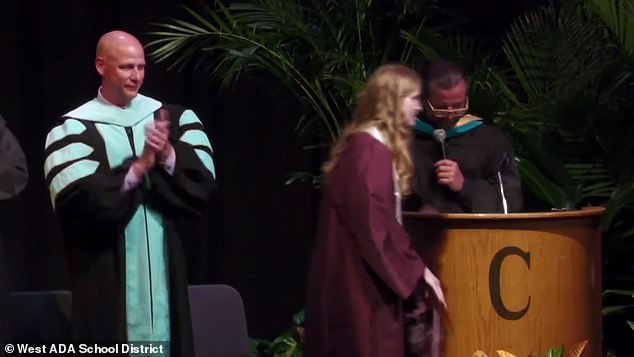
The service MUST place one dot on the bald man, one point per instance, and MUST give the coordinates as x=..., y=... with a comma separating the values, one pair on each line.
x=120, y=169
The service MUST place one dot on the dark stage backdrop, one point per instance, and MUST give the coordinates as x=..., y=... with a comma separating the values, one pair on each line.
x=257, y=232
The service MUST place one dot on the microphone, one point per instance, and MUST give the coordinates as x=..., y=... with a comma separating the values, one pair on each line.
x=440, y=135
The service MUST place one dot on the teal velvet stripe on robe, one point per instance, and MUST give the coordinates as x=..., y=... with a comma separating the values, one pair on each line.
x=128, y=278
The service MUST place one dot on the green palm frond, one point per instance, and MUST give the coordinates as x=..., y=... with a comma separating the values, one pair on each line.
x=618, y=16
x=566, y=74
x=555, y=50
x=526, y=54
x=321, y=51
x=544, y=188
x=420, y=42
x=621, y=197
x=244, y=37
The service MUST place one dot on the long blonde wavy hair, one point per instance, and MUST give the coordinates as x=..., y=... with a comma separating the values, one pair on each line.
x=379, y=105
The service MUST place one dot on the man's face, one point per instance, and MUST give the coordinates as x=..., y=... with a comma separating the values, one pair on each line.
x=445, y=106
x=122, y=71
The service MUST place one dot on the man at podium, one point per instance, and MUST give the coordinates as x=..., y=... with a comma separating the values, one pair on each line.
x=462, y=165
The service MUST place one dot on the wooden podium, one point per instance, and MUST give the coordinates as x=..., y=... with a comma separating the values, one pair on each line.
x=519, y=282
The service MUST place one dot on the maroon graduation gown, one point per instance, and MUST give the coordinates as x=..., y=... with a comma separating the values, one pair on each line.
x=363, y=265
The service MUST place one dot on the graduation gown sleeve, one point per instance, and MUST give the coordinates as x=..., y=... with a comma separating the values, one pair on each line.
x=13, y=170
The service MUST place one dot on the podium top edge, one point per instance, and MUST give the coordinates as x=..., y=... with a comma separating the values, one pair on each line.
x=584, y=212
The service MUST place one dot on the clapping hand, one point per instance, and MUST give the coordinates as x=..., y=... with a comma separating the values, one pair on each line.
x=157, y=147
x=157, y=139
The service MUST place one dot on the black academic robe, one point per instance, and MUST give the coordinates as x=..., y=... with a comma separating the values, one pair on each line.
x=480, y=152
x=13, y=178
x=13, y=170
x=93, y=212
x=364, y=265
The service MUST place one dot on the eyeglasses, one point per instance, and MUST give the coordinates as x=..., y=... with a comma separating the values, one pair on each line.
x=443, y=113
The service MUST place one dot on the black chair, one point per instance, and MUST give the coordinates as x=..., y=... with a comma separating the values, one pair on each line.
x=218, y=321
x=40, y=316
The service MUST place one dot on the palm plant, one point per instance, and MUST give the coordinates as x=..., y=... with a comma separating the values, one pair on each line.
x=288, y=344
x=320, y=50
x=560, y=88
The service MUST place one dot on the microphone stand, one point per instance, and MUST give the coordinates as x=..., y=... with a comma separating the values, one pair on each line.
x=504, y=205
x=506, y=162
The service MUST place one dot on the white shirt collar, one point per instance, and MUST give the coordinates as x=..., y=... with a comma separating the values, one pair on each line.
x=374, y=131
x=103, y=99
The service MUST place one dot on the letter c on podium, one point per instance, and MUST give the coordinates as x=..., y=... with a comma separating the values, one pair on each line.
x=494, y=282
